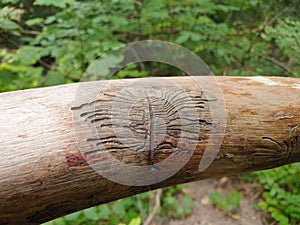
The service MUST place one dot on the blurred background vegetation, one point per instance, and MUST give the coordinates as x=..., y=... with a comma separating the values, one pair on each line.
x=51, y=42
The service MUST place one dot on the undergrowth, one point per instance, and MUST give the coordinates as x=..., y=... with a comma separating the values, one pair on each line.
x=281, y=197
x=132, y=210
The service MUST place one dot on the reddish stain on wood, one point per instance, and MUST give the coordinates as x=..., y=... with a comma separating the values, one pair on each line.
x=75, y=159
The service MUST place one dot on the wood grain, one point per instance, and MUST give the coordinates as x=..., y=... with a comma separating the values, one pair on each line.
x=54, y=140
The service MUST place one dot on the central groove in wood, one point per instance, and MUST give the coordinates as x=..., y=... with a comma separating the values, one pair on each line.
x=151, y=139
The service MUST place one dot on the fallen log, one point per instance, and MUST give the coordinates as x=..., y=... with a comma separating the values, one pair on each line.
x=62, y=149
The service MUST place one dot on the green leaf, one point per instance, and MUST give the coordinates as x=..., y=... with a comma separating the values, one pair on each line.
x=118, y=208
x=34, y=21
x=10, y=1
x=6, y=75
x=215, y=198
x=50, y=19
x=234, y=200
x=224, y=205
x=28, y=55
x=187, y=204
x=183, y=37
x=11, y=13
x=170, y=201
x=136, y=221
x=8, y=25
x=273, y=192
x=195, y=37
x=58, y=221
x=73, y=216
x=59, y=3
x=283, y=220
x=54, y=78
x=104, y=212
x=90, y=213
x=263, y=205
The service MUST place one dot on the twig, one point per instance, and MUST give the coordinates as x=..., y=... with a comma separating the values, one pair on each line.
x=155, y=208
x=287, y=8
x=30, y=32
x=44, y=64
x=278, y=63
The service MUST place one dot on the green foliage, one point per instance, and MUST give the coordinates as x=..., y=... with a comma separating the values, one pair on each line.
x=281, y=193
x=9, y=18
x=286, y=36
x=136, y=221
x=129, y=210
x=61, y=38
x=123, y=211
x=171, y=207
x=17, y=75
x=59, y=4
x=229, y=204
x=28, y=55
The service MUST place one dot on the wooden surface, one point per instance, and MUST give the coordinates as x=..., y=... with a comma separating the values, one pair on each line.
x=61, y=150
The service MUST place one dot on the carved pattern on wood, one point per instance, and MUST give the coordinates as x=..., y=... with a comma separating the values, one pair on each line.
x=280, y=150
x=154, y=122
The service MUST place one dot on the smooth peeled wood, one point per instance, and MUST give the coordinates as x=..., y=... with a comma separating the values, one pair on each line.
x=52, y=139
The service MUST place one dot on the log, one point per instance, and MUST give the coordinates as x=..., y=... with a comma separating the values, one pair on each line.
x=69, y=147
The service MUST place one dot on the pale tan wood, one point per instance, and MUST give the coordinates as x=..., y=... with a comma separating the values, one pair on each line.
x=43, y=175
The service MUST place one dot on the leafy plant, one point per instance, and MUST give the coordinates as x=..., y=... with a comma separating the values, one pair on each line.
x=57, y=40
x=229, y=204
x=281, y=193
x=124, y=211
x=286, y=36
x=131, y=210
x=171, y=207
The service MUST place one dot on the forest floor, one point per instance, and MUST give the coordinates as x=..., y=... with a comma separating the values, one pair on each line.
x=204, y=213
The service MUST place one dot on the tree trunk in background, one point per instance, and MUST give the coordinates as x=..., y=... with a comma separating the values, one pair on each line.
x=61, y=151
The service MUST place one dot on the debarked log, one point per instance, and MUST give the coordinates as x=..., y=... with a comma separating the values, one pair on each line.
x=69, y=147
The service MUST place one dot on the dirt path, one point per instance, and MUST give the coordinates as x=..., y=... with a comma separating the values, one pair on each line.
x=205, y=214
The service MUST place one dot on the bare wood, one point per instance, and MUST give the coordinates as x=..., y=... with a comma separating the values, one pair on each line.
x=43, y=175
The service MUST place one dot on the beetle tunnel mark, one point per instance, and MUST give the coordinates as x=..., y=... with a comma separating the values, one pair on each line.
x=142, y=122
x=283, y=150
